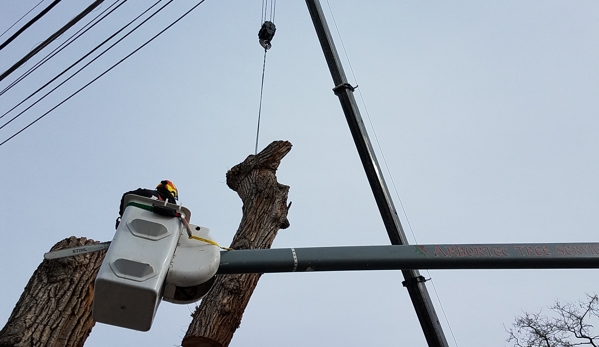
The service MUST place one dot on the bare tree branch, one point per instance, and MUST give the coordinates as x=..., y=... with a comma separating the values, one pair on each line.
x=570, y=325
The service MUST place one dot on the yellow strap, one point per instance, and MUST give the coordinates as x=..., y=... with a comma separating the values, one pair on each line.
x=209, y=241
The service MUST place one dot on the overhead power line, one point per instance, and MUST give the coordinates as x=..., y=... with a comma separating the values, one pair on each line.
x=64, y=45
x=51, y=38
x=84, y=66
x=105, y=72
x=28, y=24
x=18, y=20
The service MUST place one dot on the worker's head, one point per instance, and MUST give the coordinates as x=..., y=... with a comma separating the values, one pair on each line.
x=168, y=185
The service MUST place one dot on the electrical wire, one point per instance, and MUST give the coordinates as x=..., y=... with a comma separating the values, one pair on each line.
x=28, y=24
x=64, y=45
x=103, y=73
x=52, y=37
x=389, y=171
x=91, y=61
x=23, y=16
x=78, y=61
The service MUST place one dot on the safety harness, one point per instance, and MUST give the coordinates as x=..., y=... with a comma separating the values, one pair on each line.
x=167, y=211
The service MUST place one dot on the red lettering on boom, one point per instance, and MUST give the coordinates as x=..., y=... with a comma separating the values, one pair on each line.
x=439, y=250
x=529, y=250
x=451, y=251
x=519, y=248
x=568, y=250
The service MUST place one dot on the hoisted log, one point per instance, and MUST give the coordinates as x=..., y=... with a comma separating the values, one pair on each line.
x=55, y=308
x=265, y=211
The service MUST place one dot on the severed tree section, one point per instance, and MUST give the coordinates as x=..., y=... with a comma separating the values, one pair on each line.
x=55, y=308
x=264, y=213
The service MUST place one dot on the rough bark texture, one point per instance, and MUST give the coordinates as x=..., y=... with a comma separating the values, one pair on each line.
x=55, y=308
x=264, y=213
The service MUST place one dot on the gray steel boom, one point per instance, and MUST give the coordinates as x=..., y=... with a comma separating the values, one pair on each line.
x=413, y=282
x=396, y=257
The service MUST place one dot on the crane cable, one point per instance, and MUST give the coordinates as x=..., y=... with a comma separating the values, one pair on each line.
x=265, y=35
x=260, y=104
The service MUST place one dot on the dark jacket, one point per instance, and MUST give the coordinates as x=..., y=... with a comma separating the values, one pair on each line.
x=161, y=194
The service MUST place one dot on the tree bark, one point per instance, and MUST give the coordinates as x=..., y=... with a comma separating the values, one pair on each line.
x=55, y=308
x=264, y=213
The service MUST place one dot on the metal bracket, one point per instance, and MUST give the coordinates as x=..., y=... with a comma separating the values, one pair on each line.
x=414, y=281
x=344, y=86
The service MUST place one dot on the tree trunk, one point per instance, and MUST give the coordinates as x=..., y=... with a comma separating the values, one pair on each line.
x=55, y=308
x=264, y=213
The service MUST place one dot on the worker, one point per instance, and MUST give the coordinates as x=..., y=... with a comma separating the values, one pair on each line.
x=165, y=191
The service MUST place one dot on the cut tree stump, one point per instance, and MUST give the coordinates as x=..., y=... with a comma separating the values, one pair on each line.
x=264, y=213
x=55, y=308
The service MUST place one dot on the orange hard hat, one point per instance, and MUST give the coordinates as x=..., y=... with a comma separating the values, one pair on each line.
x=170, y=186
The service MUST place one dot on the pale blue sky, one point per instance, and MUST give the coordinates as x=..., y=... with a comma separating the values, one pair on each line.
x=486, y=113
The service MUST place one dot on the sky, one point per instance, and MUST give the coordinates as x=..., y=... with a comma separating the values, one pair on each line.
x=483, y=115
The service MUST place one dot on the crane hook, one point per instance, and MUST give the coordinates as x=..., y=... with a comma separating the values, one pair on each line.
x=266, y=33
